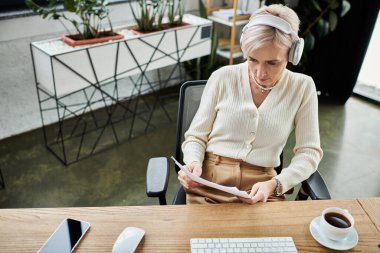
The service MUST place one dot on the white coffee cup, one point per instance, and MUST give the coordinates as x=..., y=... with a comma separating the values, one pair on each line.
x=336, y=223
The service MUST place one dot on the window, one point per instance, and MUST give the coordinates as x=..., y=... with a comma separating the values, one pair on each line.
x=368, y=83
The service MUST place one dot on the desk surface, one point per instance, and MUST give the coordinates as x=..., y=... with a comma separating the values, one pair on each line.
x=372, y=208
x=169, y=228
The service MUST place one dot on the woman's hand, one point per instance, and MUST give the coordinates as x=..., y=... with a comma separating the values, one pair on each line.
x=185, y=181
x=261, y=191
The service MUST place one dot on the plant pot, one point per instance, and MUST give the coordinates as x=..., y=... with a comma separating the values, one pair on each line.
x=165, y=27
x=71, y=41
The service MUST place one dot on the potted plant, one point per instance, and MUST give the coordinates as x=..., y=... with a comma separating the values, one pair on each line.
x=175, y=15
x=150, y=15
x=166, y=34
x=88, y=24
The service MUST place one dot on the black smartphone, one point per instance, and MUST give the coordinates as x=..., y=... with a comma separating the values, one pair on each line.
x=66, y=237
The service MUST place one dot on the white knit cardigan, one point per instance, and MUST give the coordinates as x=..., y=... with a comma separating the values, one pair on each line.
x=229, y=124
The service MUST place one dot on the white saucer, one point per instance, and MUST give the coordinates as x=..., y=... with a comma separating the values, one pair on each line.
x=347, y=243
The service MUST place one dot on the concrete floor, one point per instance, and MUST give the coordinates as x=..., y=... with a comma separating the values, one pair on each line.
x=35, y=178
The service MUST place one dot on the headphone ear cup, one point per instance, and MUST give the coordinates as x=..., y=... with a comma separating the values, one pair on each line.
x=295, y=52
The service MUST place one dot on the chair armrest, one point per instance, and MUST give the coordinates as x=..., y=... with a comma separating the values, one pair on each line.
x=157, y=177
x=180, y=197
x=315, y=187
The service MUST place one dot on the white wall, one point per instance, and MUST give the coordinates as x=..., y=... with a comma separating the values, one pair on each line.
x=19, y=107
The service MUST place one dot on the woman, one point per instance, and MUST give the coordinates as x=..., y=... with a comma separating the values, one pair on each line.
x=247, y=112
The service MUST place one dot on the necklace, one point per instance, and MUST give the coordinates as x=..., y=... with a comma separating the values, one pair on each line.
x=262, y=88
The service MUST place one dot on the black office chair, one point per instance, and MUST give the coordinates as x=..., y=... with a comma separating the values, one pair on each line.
x=2, y=182
x=158, y=168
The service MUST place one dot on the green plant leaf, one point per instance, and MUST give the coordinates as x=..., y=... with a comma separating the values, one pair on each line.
x=69, y=5
x=133, y=14
x=346, y=6
x=316, y=5
x=214, y=47
x=334, y=4
x=202, y=9
x=322, y=28
x=309, y=42
x=30, y=4
x=56, y=16
x=333, y=19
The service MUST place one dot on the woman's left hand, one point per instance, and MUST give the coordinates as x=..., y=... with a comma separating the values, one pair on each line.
x=261, y=191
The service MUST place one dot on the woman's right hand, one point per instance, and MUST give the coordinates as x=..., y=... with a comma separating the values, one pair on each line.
x=187, y=182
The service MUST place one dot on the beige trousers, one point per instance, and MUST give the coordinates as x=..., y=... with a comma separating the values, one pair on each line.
x=228, y=172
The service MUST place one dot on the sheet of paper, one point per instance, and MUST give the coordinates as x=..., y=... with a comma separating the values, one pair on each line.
x=232, y=190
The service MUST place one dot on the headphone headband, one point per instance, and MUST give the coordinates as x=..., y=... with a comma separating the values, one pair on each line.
x=295, y=52
x=273, y=21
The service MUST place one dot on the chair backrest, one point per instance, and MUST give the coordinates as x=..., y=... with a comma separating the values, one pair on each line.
x=189, y=98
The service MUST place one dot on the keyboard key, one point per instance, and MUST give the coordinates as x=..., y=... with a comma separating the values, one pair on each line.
x=200, y=245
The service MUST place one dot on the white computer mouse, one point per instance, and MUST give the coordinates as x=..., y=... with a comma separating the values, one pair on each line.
x=128, y=240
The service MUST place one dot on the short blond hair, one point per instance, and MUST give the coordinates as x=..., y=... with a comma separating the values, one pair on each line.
x=257, y=36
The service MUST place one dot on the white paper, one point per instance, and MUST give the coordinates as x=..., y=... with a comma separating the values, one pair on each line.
x=232, y=190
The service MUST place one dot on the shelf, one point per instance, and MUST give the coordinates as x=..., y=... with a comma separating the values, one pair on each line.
x=226, y=54
x=226, y=22
x=233, y=18
x=224, y=49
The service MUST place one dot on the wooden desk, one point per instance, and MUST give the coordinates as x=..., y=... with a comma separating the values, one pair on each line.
x=169, y=228
x=372, y=208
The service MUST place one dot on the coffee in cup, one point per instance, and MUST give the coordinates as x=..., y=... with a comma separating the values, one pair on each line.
x=336, y=223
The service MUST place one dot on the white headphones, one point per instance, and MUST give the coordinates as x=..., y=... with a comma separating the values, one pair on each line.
x=295, y=51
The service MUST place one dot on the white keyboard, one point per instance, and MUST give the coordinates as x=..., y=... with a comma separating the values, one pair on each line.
x=255, y=244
